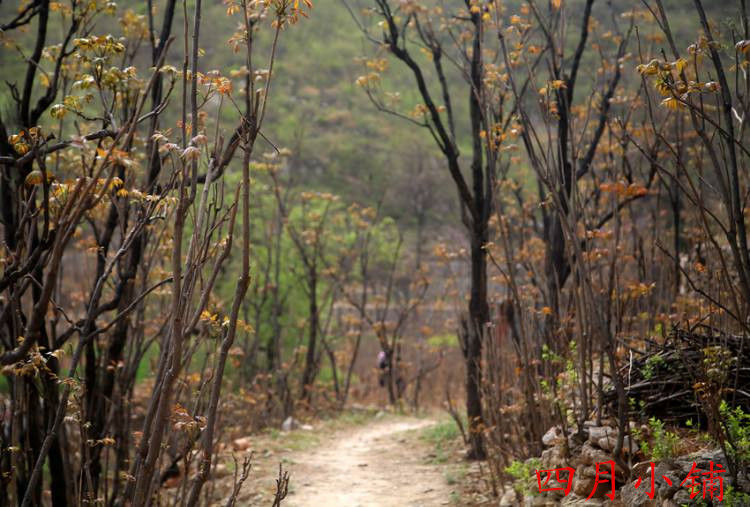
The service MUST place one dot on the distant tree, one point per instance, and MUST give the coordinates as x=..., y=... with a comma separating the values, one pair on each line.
x=103, y=207
x=406, y=31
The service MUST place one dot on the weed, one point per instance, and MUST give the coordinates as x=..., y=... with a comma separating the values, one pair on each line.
x=523, y=472
x=352, y=418
x=652, y=365
x=663, y=443
x=441, y=436
x=735, y=498
x=454, y=476
x=737, y=424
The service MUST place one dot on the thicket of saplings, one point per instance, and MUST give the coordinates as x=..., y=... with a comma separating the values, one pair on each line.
x=164, y=271
x=601, y=169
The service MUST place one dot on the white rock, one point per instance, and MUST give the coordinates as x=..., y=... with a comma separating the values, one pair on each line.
x=289, y=424
x=596, y=433
x=509, y=499
x=608, y=442
x=552, y=458
x=550, y=438
x=591, y=455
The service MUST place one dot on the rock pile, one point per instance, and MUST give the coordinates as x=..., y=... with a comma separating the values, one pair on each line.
x=676, y=470
x=581, y=452
x=595, y=445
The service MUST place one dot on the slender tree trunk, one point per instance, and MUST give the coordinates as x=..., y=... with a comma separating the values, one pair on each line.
x=33, y=437
x=557, y=268
x=59, y=473
x=478, y=318
x=674, y=197
x=308, y=375
x=390, y=377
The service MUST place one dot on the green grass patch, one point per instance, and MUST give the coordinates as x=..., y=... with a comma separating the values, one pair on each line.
x=148, y=364
x=352, y=418
x=522, y=473
x=455, y=475
x=442, y=436
x=297, y=440
x=300, y=439
x=443, y=340
x=442, y=433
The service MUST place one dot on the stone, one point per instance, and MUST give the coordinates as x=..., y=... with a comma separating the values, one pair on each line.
x=534, y=501
x=702, y=459
x=682, y=497
x=609, y=442
x=596, y=433
x=583, y=483
x=509, y=498
x=664, y=490
x=630, y=445
x=221, y=470
x=640, y=469
x=633, y=497
x=591, y=455
x=580, y=501
x=552, y=458
x=242, y=444
x=574, y=444
x=289, y=424
x=550, y=438
x=552, y=483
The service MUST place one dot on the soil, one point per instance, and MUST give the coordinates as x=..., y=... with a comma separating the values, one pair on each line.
x=380, y=463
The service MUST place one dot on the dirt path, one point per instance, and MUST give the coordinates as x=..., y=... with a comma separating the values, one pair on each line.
x=381, y=462
x=372, y=465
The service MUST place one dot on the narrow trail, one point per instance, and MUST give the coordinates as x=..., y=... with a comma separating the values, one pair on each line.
x=371, y=465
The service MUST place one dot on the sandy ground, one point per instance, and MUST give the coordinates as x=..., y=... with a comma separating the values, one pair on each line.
x=373, y=465
x=379, y=463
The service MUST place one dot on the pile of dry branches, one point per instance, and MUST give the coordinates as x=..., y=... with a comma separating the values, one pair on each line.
x=663, y=382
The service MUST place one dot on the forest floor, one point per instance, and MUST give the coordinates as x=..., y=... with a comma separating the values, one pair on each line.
x=354, y=460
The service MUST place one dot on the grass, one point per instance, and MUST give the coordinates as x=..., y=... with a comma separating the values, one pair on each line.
x=297, y=440
x=350, y=418
x=455, y=475
x=522, y=471
x=301, y=440
x=441, y=433
x=443, y=437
